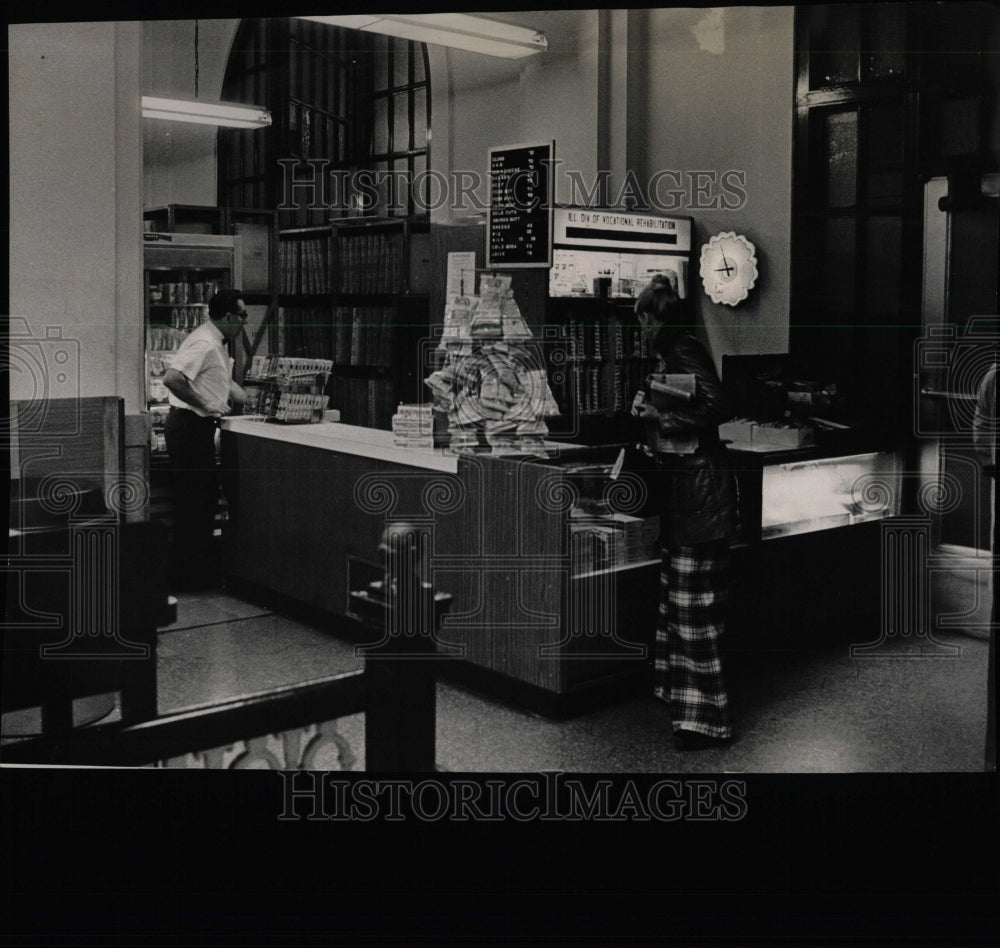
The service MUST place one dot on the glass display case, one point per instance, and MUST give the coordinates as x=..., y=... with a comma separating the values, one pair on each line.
x=822, y=493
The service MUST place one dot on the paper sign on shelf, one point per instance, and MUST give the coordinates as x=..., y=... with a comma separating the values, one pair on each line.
x=461, y=274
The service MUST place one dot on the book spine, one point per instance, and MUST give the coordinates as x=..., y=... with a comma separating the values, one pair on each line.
x=355, y=337
x=385, y=355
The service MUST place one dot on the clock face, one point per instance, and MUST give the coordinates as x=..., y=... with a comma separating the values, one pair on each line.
x=728, y=268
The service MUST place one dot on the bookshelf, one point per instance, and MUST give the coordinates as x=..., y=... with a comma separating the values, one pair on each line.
x=356, y=292
x=602, y=259
x=607, y=358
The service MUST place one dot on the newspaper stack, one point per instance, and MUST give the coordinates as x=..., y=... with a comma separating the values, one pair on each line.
x=464, y=438
x=596, y=546
x=495, y=390
x=637, y=538
x=413, y=426
x=490, y=383
x=458, y=315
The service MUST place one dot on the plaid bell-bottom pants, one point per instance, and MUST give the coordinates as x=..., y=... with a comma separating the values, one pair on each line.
x=687, y=665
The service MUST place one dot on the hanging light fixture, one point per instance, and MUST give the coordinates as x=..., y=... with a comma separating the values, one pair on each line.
x=204, y=111
x=455, y=30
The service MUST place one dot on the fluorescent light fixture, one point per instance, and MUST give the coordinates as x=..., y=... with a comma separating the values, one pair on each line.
x=456, y=30
x=205, y=112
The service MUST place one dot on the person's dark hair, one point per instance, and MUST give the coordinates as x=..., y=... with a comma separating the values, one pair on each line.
x=223, y=303
x=660, y=299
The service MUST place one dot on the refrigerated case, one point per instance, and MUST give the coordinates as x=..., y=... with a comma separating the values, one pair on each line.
x=180, y=274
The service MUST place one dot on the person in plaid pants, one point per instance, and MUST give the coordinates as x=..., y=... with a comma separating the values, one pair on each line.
x=681, y=406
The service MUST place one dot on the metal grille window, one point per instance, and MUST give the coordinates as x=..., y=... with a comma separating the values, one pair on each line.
x=242, y=152
x=400, y=121
x=347, y=104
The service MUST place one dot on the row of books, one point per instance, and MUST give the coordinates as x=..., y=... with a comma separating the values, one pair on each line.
x=589, y=341
x=586, y=340
x=351, y=335
x=369, y=403
x=602, y=388
x=371, y=263
x=630, y=343
x=589, y=389
x=363, y=335
x=307, y=332
x=359, y=263
x=304, y=265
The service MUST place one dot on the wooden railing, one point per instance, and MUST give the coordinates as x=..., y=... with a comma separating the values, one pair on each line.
x=397, y=696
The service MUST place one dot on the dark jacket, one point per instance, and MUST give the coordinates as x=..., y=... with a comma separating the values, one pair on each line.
x=698, y=502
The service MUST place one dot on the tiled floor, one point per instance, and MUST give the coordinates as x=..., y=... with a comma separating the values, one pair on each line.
x=804, y=710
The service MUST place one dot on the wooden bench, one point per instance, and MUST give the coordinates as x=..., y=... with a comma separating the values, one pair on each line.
x=85, y=588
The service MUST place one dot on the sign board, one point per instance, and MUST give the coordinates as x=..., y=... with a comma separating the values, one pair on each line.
x=519, y=221
x=621, y=230
x=616, y=253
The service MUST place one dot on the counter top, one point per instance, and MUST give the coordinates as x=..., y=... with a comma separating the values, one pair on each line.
x=375, y=443
x=346, y=439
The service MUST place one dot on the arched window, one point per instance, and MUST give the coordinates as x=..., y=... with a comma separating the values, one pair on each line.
x=359, y=102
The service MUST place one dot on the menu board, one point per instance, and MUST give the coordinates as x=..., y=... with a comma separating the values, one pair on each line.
x=519, y=222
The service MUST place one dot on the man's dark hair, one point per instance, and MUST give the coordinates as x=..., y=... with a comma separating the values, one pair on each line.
x=223, y=303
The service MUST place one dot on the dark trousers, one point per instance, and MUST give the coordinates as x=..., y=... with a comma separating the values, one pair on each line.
x=195, y=485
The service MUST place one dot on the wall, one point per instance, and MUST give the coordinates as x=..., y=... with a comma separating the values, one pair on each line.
x=75, y=176
x=179, y=160
x=479, y=101
x=706, y=90
x=720, y=97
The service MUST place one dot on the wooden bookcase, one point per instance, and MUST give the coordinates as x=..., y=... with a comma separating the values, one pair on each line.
x=356, y=292
x=606, y=360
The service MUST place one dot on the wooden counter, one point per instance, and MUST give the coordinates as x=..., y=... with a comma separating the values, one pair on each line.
x=312, y=501
x=368, y=443
x=527, y=621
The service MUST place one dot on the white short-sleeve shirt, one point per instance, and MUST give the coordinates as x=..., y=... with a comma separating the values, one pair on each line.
x=202, y=359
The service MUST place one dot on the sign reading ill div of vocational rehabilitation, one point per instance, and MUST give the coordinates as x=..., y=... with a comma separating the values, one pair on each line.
x=519, y=223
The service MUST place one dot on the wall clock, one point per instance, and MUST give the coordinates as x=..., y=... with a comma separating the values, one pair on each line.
x=728, y=268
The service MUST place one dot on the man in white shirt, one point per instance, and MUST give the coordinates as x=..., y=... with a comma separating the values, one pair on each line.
x=201, y=391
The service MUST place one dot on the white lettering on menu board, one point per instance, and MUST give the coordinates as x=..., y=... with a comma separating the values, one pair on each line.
x=519, y=221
